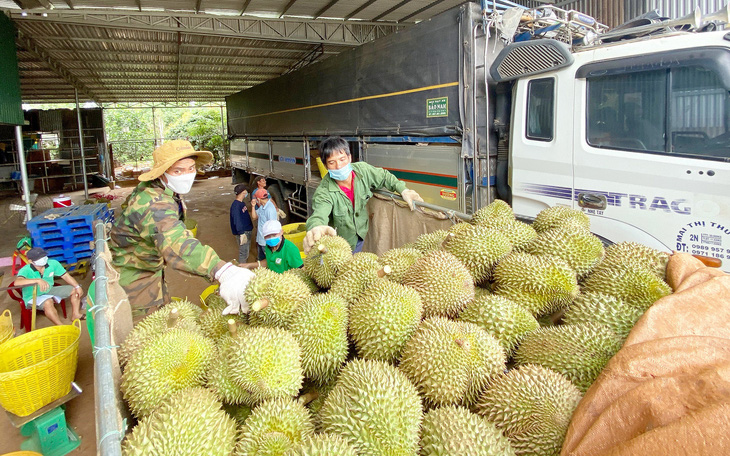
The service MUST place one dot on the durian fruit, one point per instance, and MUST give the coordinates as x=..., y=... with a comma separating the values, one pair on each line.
x=275, y=302
x=451, y=362
x=580, y=352
x=480, y=292
x=444, y=283
x=399, y=260
x=188, y=422
x=520, y=234
x=213, y=323
x=497, y=212
x=557, y=216
x=299, y=272
x=374, y=408
x=629, y=282
x=454, y=430
x=320, y=327
x=357, y=275
x=541, y=284
x=576, y=245
x=652, y=259
x=428, y=242
x=266, y=362
x=239, y=413
x=178, y=314
x=326, y=258
x=172, y=361
x=315, y=405
x=592, y=307
x=479, y=248
x=505, y=320
x=274, y=427
x=532, y=406
x=322, y=445
x=459, y=227
x=384, y=319
x=219, y=377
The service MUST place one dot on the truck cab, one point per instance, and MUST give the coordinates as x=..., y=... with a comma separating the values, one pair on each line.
x=634, y=134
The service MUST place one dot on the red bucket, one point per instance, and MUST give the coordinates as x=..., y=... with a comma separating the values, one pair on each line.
x=62, y=201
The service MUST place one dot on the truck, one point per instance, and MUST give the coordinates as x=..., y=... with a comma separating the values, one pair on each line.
x=538, y=108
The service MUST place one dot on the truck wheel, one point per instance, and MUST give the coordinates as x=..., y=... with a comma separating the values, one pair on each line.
x=275, y=192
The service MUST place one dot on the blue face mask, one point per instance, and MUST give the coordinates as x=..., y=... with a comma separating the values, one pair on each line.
x=273, y=242
x=342, y=173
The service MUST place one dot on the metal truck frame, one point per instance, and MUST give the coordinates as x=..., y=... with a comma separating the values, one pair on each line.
x=635, y=132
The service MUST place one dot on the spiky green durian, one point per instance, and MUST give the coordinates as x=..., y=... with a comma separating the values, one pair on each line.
x=274, y=427
x=580, y=352
x=399, y=260
x=541, y=284
x=444, y=283
x=450, y=362
x=577, y=246
x=384, y=319
x=172, y=361
x=592, y=307
x=459, y=227
x=557, y=216
x=219, y=377
x=320, y=327
x=178, y=314
x=326, y=258
x=630, y=282
x=275, y=302
x=375, y=408
x=479, y=248
x=322, y=445
x=652, y=259
x=214, y=324
x=214, y=301
x=429, y=242
x=188, y=422
x=505, y=320
x=239, y=413
x=532, y=406
x=520, y=234
x=266, y=362
x=299, y=272
x=454, y=430
x=496, y=213
x=315, y=405
x=357, y=275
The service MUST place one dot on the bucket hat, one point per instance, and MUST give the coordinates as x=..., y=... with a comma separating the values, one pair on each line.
x=167, y=154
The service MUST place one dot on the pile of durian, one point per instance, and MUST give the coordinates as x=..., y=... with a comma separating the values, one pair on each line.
x=479, y=340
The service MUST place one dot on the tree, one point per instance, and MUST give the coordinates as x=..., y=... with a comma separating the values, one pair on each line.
x=202, y=127
x=129, y=131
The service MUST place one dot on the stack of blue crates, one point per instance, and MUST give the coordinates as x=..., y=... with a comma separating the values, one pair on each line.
x=66, y=232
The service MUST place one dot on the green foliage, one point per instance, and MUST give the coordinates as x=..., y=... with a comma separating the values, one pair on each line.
x=202, y=127
x=130, y=133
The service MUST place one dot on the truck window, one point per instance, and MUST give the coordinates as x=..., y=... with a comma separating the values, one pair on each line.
x=683, y=110
x=540, y=105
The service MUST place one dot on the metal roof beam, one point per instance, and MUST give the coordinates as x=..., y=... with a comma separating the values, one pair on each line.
x=245, y=6
x=114, y=56
x=285, y=30
x=360, y=8
x=286, y=8
x=197, y=6
x=324, y=9
x=29, y=45
x=45, y=4
x=139, y=5
x=69, y=4
x=390, y=10
x=420, y=10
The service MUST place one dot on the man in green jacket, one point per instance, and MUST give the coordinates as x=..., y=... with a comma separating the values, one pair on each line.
x=338, y=205
x=150, y=233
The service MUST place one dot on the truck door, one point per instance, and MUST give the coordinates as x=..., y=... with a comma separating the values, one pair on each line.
x=652, y=150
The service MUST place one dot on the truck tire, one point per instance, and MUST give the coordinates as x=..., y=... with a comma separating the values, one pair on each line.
x=276, y=195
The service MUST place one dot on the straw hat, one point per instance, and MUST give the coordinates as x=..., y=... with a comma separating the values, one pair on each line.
x=167, y=154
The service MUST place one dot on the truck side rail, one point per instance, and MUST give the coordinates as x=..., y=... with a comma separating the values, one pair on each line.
x=449, y=213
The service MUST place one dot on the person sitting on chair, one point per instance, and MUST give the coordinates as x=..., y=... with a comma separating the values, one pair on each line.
x=41, y=272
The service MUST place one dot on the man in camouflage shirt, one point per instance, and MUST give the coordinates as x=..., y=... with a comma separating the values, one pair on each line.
x=151, y=233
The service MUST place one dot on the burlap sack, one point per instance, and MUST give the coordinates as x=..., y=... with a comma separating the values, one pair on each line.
x=667, y=391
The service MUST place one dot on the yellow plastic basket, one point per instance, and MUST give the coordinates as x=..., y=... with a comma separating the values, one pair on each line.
x=192, y=225
x=6, y=326
x=295, y=232
x=22, y=453
x=36, y=368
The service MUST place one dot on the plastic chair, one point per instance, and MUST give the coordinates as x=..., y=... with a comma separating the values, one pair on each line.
x=26, y=314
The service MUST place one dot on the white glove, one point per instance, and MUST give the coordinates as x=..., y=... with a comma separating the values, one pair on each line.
x=315, y=234
x=234, y=280
x=281, y=214
x=409, y=196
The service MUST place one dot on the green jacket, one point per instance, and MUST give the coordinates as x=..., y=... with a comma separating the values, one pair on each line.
x=151, y=233
x=330, y=205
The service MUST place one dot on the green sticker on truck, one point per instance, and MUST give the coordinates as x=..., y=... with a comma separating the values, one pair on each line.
x=437, y=107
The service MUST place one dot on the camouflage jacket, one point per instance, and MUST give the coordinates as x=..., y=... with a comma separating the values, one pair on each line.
x=151, y=233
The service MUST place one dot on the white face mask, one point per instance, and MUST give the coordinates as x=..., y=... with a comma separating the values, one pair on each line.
x=180, y=184
x=41, y=262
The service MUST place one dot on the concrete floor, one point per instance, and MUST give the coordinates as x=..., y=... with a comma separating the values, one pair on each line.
x=208, y=203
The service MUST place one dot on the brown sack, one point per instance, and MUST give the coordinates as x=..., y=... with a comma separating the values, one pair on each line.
x=667, y=391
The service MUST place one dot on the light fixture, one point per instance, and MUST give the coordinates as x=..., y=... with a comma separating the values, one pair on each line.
x=44, y=14
x=24, y=13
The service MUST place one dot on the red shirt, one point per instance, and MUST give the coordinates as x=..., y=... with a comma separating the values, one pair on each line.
x=350, y=192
